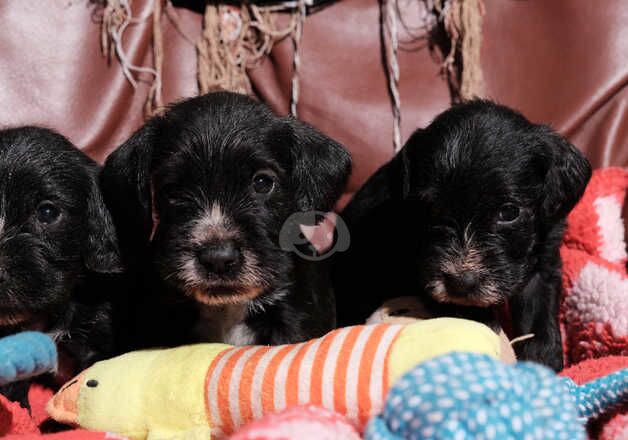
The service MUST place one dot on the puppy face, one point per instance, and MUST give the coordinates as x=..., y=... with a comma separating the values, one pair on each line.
x=214, y=179
x=492, y=185
x=220, y=205
x=54, y=227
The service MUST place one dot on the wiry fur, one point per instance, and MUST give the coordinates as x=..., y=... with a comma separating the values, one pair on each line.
x=192, y=169
x=433, y=211
x=53, y=276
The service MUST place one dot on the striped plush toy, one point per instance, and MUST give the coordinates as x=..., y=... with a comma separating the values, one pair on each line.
x=207, y=390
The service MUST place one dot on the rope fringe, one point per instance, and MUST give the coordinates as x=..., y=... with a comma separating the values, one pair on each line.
x=237, y=38
x=220, y=50
x=233, y=39
x=391, y=42
x=462, y=65
x=296, y=60
x=154, y=101
x=462, y=21
x=117, y=16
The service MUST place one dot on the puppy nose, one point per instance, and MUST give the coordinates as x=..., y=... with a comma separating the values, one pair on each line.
x=219, y=258
x=461, y=284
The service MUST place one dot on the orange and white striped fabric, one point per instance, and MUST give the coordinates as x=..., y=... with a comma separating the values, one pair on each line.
x=344, y=371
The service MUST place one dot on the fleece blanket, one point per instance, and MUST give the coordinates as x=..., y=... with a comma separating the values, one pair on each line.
x=594, y=310
x=593, y=313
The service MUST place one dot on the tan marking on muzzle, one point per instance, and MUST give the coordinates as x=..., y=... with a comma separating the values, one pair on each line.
x=460, y=260
x=485, y=296
x=238, y=297
x=212, y=226
x=463, y=261
x=249, y=275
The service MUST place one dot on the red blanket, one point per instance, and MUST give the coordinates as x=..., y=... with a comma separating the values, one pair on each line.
x=594, y=310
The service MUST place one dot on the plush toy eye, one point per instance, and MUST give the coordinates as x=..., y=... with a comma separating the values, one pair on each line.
x=47, y=213
x=92, y=383
x=508, y=213
x=263, y=182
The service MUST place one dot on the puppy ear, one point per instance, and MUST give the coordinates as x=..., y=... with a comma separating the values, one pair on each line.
x=101, y=253
x=567, y=173
x=390, y=184
x=320, y=168
x=402, y=175
x=127, y=188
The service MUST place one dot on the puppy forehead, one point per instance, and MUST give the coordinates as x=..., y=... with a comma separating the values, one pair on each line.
x=203, y=163
x=33, y=149
x=482, y=158
x=467, y=188
x=41, y=171
x=31, y=174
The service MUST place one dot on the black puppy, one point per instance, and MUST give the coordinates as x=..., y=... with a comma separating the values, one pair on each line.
x=470, y=214
x=56, y=237
x=199, y=196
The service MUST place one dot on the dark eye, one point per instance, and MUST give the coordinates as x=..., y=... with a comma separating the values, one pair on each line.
x=508, y=213
x=47, y=213
x=263, y=182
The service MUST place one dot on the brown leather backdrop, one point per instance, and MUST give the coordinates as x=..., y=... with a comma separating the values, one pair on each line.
x=563, y=62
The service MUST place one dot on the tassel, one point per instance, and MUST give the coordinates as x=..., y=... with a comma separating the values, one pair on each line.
x=462, y=65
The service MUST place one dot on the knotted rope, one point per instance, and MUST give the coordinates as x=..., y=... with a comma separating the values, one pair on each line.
x=233, y=39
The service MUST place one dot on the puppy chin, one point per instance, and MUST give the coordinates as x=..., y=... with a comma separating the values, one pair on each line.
x=485, y=296
x=236, y=289
x=225, y=295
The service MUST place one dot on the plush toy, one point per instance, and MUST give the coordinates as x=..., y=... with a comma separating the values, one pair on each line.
x=408, y=309
x=594, y=398
x=614, y=423
x=469, y=395
x=25, y=355
x=211, y=389
x=299, y=422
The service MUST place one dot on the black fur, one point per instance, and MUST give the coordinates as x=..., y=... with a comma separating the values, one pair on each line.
x=196, y=163
x=53, y=270
x=437, y=211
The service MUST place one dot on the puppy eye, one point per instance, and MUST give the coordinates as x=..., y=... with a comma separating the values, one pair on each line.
x=47, y=213
x=508, y=213
x=263, y=182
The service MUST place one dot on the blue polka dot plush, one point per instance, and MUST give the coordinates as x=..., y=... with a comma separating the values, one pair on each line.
x=598, y=396
x=25, y=355
x=472, y=396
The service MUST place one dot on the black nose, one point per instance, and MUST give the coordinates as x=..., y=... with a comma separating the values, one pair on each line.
x=461, y=284
x=219, y=258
